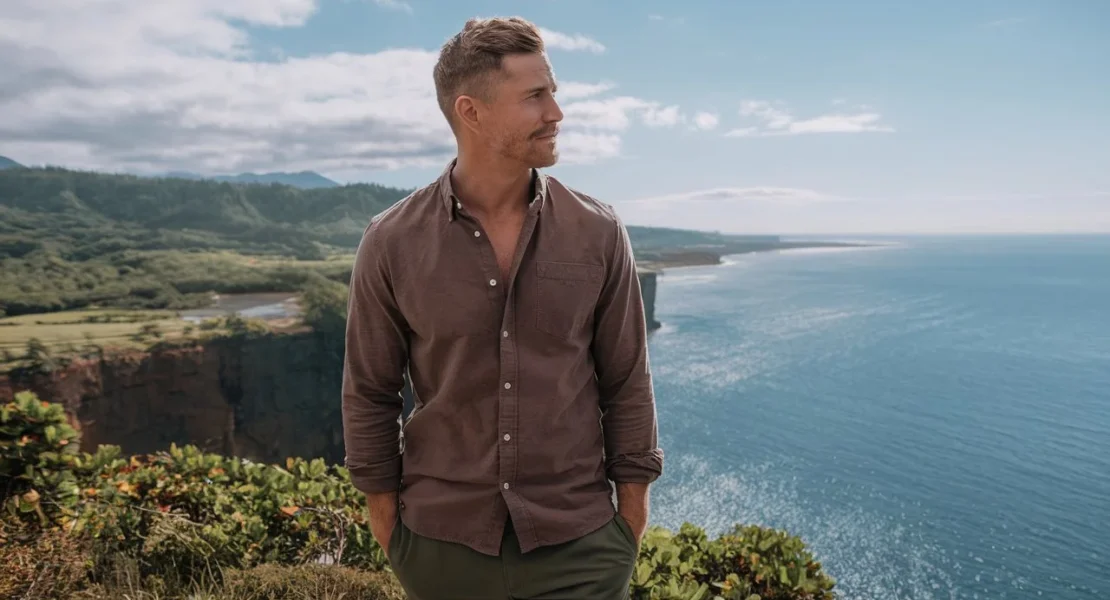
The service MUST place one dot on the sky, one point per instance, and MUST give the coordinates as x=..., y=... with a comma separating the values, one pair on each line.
x=788, y=117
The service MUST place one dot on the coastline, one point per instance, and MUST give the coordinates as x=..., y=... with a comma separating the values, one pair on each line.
x=677, y=259
x=660, y=263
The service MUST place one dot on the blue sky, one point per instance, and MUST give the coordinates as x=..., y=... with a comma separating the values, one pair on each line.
x=785, y=117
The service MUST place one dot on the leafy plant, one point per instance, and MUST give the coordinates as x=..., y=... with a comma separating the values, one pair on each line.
x=38, y=450
x=747, y=563
x=183, y=514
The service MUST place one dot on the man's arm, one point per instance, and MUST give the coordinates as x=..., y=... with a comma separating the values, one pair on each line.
x=633, y=458
x=373, y=376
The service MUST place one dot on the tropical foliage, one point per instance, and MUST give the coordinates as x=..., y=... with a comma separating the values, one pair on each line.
x=185, y=514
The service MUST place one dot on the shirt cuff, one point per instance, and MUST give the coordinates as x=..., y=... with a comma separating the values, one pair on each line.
x=640, y=467
x=377, y=478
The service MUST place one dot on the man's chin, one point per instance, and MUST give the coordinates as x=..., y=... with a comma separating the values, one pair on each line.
x=546, y=159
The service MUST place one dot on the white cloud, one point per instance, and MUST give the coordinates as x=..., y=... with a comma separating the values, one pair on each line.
x=578, y=147
x=706, y=121
x=661, y=19
x=176, y=85
x=725, y=195
x=665, y=116
x=735, y=209
x=571, y=42
x=400, y=5
x=774, y=121
x=617, y=113
x=576, y=90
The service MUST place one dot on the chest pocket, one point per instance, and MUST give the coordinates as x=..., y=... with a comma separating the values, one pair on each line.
x=566, y=294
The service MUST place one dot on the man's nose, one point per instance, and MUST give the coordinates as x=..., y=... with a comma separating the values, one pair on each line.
x=554, y=113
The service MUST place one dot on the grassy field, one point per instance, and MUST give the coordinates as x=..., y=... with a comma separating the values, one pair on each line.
x=117, y=328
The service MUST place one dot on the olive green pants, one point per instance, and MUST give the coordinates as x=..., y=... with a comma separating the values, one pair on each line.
x=596, y=566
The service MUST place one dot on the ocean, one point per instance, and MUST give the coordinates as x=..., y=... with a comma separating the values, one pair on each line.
x=931, y=416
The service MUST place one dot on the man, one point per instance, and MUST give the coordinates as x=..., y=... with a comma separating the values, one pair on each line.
x=513, y=303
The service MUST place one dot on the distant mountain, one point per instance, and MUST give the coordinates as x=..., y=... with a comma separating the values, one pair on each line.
x=7, y=163
x=303, y=179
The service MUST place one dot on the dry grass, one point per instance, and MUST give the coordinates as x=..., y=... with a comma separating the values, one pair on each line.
x=54, y=566
x=264, y=582
x=61, y=330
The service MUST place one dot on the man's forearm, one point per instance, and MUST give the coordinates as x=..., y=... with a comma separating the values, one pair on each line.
x=382, y=505
x=634, y=504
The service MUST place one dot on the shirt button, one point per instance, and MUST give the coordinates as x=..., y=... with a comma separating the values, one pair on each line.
x=505, y=485
x=493, y=282
x=458, y=205
x=508, y=385
x=504, y=334
x=507, y=438
x=477, y=234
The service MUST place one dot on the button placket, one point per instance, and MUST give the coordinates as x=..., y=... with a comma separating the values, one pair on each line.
x=508, y=405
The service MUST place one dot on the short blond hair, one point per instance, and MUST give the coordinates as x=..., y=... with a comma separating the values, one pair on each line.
x=469, y=60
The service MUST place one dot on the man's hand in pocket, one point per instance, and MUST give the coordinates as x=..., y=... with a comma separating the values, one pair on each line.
x=633, y=504
x=383, y=517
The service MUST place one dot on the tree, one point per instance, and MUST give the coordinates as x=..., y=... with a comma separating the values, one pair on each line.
x=324, y=303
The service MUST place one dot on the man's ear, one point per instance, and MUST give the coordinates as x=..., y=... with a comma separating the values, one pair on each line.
x=467, y=112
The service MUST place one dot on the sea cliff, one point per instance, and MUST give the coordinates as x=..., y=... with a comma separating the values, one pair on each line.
x=259, y=397
x=262, y=398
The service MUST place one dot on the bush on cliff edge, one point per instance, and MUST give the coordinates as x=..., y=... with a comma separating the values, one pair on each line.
x=184, y=514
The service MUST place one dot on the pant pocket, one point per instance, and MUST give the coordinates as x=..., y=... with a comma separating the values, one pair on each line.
x=393, y=549
x=626, y=531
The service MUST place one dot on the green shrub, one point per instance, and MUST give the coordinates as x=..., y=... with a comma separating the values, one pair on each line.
x=324, y=305
x=38, y=450
x=182, y=515
x=747, y=563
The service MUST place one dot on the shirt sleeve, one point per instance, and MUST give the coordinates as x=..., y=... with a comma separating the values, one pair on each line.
x=373, y=372
x=624, y=377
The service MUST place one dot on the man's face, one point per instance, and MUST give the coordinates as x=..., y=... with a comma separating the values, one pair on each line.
x=521, y=121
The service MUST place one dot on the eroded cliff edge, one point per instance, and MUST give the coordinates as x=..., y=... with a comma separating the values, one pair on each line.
x=263, y=398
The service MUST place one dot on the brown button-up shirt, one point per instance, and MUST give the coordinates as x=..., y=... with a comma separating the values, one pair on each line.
x=531, y=393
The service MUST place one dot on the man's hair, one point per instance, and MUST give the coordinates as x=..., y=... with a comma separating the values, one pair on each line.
x=470, y=60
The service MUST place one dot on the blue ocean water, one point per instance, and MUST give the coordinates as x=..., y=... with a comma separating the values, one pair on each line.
x=932, y=417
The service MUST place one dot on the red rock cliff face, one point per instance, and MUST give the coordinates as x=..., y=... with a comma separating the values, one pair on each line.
x=263, y=399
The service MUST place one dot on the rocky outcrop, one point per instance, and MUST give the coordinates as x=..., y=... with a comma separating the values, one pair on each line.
x=263, y=398
x=648, y=281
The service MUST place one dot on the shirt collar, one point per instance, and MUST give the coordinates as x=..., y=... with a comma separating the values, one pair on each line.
x=452, y=203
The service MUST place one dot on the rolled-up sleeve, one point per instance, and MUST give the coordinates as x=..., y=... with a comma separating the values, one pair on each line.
x=373, y=372
x=624, y=376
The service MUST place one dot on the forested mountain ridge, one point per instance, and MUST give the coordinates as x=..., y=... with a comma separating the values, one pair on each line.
x=81, y=215
x=70, y=239
x=64, y=210
x=300, y=179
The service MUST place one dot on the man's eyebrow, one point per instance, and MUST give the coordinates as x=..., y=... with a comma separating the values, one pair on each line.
x=540, y=88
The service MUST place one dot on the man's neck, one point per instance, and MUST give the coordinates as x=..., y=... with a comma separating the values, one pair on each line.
x=490, y=187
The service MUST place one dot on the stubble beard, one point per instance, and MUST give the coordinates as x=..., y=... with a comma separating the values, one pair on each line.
x=528, y=150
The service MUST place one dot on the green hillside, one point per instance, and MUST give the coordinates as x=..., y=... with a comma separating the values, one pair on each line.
x=81, y=215
x=73, y=239
x=302, y=179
